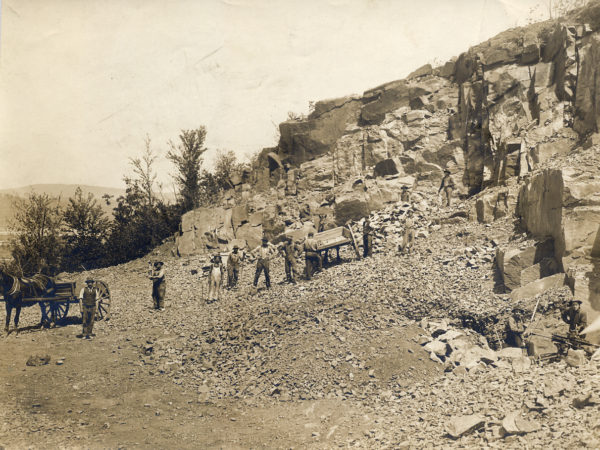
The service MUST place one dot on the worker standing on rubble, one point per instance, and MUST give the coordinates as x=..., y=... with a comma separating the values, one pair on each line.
x=447, y=185
x=405, y=195
x=311, y=256
x=263, y=254
x=367, y=238
x=233, y=267
x=409, y=232
x=215, y=278
x=159, y=286
x=575, y=318
x=288, y=251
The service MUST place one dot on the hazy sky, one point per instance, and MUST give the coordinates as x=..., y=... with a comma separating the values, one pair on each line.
x=83, y=82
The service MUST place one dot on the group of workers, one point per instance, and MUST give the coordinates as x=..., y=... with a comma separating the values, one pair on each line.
x=573, y=316
x=290, y=250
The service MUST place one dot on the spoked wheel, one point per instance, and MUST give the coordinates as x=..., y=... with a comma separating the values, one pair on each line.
x=54, y=311
x=103, y=309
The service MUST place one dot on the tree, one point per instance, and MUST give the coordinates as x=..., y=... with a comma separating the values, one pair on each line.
x=219, y=180
x=187, y=158
x=86, y=230
x=141, y=220
x=38, y=245
x=143, y=168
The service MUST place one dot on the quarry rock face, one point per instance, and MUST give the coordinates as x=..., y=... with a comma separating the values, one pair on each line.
x=499, y=117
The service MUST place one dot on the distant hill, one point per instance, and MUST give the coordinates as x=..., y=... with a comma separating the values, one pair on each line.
x=63, y=191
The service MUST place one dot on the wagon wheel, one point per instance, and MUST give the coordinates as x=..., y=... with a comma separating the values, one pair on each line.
x=58, y=310
x=54, y=311
x=103, y=309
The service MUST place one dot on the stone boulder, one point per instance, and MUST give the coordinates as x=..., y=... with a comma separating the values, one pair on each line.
x=386, y=167
x=251, y=234
x=302, y=140
x=387, y=98
x=538, y=287
x=513, y=262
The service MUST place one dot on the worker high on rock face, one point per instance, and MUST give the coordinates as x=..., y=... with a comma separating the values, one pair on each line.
x=515, y=327
x=447, y=185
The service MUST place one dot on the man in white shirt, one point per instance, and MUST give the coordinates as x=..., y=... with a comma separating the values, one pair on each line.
x=263, y=254
x=88, y=296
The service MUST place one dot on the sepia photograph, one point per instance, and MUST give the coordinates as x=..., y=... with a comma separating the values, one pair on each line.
x=299, y=224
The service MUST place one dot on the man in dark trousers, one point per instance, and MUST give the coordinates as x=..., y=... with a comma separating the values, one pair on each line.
x=405, y=195
x=233, y=267
x=367, y=238
x=88, y=296
x=159, y=286
x=575, y=318
x=447, y=185
x=311, y=256
x=263, y=254
x=288, y=250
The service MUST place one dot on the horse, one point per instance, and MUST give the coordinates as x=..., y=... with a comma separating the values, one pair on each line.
x=16, y=288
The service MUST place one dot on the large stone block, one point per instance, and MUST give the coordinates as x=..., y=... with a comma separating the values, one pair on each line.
x=386, y=167
x=252, y=235
x=185, y=244
x=587, y=101
x=239, y=215
x=388, y=98
x=351, y=206
x=538, y=287
x=512, y=262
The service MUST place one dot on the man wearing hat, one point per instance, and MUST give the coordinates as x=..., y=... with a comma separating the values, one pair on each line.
x=575, y=318
x=88, y=296
x=215, y=278
x=515, y=327
x=263, y=254
x=447, y=185
x=405, y=195
x=233, y=267
x=288, y=251
x=311, y=256
x=159, y=286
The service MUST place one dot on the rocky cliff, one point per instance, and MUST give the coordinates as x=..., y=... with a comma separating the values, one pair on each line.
x=514, y=119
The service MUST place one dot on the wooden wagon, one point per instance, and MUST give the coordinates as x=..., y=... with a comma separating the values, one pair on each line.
x=334, y=239
x=55, y=305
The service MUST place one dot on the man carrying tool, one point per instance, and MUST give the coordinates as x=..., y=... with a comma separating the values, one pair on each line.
x=515, y=327
x=447, y=185
x=575, y=318
x=159, y=286
x=88, y=296
x=311, y=256
x=233, y=267
x=263, y=254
